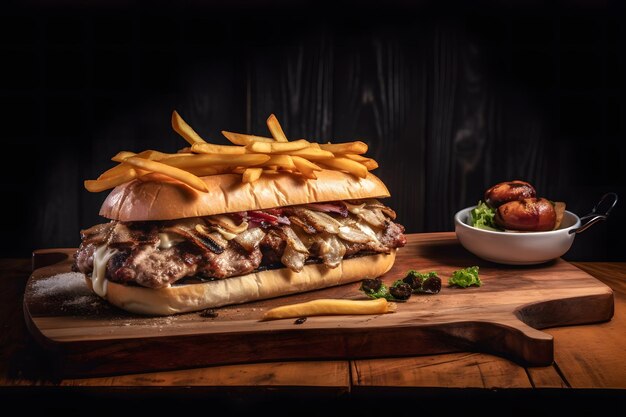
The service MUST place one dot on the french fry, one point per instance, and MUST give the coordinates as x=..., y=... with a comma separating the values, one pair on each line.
x=276, y=129
x=281, y=161
x=251, y=174
x=355, y=157
x=205, y=171
x=114, y=171
x=175, y=155
x=199, y=160
x=149, y=154
x=251, y=157
x=369, y=163
x=173, y=172
x=102, y=184
x=182, y=128
x=356, y=147
x=210, y=148
x=312, y=153
x=327, y=307
x=306, y=168
x=243, y=139
x=277, y=147
x=122, y=155
x=345, y=164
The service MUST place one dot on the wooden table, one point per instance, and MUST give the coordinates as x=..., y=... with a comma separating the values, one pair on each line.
x=589, y=365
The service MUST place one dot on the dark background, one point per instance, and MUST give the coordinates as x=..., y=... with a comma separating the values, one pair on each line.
x=451, y=97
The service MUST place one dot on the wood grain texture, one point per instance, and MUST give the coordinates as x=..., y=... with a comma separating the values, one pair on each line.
x=328, y=374
x=546, y=377
x=94, y=338
x=449, y=105
x=293, y=79
x=581, y=357
x=453, y=370
x=23, y=364
x=380, y=98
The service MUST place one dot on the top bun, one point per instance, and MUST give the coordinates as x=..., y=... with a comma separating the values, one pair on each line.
x=160, y=198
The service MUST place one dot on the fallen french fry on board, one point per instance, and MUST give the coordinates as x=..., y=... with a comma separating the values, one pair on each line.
x=329, y=307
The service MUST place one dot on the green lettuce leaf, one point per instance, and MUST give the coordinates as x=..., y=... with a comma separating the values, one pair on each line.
x=465, y=278
x=482, y=217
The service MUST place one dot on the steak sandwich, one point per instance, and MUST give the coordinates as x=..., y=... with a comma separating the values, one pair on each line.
x=170, y=248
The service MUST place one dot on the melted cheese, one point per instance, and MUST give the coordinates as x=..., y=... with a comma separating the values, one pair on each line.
x=98, y=276
x=168, y=240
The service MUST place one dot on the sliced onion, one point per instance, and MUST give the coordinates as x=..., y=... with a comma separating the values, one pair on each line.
x=365, y=228
x=331, y=207
x=354, y=208
x=227, y=223
x=188, y=224
x=213, y=241
x=250, y=239
x=322, y=222
x=331, y=250
x=123, y=234
x=203, y=230
x=352, y=234
x=308, y=239
x=389, y=212
x=351, y=220
x=294, y=241
x=375, y=204
x=373, y=218
x=302, y=225
x=293, y=259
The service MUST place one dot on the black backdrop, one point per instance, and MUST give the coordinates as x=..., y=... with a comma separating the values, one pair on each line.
x=450, y=96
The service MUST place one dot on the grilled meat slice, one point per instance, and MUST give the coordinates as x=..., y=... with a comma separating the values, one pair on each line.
x=157, y=254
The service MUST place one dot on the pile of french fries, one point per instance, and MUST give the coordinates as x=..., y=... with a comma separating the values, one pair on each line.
x=250, y=156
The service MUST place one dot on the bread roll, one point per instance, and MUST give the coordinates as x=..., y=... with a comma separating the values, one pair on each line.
x=251, y=287
x=163, y=199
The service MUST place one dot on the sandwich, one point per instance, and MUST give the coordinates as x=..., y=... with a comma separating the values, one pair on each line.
x=170, y=248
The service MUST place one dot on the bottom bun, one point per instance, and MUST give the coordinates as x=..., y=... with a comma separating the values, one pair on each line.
x=241, y=289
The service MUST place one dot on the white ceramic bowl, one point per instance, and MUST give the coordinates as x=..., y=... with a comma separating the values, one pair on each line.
x=515, y=248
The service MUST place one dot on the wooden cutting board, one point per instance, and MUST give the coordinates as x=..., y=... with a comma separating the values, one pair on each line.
x=85, y=336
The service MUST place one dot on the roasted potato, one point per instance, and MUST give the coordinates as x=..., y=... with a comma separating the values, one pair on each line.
x=508, y=191
x=528, y=215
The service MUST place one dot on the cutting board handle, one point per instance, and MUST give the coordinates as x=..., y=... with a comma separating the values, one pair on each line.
x=525, y=344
